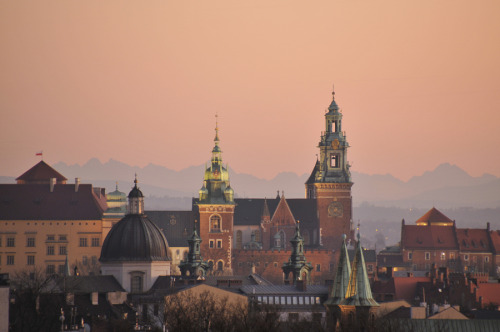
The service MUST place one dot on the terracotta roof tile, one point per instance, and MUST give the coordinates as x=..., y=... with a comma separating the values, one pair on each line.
x=36, y=202
x=433, y=216
x=41, y=173
x=475, y=240
x=421, y=237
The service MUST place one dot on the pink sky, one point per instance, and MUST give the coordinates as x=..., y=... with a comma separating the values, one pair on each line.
x=141, y=81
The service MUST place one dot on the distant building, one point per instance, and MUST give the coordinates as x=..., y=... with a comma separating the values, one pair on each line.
x=44, y=220
x=435, y=240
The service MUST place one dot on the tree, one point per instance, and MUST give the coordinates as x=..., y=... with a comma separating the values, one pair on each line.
x=34, y=305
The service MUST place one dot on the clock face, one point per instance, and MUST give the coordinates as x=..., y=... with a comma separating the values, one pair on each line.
x=335, y=209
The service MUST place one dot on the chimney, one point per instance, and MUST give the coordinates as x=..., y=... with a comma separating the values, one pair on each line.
x=52, y=183
x=77, y=184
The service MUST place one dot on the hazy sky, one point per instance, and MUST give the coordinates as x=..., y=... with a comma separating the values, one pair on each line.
x=141, y=81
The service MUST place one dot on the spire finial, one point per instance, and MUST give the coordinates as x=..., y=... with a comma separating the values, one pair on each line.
x=135, y=181
x=216, y=139
x=359, y=236
x=116, y=185
x=333, y=89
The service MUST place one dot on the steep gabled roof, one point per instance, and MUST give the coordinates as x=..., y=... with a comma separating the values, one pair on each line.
x=41, y=173
x=312, y=177
x=434, y=217
x=37, y=202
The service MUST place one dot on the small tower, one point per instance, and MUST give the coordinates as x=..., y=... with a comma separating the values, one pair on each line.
x=330, y=182
x=358, y=309
x=194, y=266
x=135, y=200
x=297, y=264
x=215, y=209
x=341, y=281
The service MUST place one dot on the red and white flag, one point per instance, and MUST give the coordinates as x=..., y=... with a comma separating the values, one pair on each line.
x=39, y=153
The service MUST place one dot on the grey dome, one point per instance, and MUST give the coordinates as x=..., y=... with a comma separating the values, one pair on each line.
x=134, y=238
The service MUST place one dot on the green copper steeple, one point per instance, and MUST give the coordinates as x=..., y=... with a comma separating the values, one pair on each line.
x=341, y=282
x=359, y=292
x=216, y=188
x=297, y=264
x=194, y=265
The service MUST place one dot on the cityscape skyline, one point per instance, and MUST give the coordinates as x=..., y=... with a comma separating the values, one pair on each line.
x=142, y=83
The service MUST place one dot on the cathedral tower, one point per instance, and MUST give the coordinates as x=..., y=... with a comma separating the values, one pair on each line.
x=330, y=182
x=215, y=208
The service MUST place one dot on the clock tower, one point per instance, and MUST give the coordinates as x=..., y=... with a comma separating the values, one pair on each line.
x=330, y=182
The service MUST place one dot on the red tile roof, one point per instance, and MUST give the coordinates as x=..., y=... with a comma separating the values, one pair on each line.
x=434, y=216
x=495, y=240
x=475, y=240
x=423, y=237
x=41, y=173
x=36, y=202
x=490, y=293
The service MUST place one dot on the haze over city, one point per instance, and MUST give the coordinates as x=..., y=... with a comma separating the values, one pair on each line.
x=418, y=83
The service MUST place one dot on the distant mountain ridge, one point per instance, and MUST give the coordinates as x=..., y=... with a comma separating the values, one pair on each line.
x=447, y=186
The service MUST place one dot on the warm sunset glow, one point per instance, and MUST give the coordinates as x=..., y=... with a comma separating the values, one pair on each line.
x=141, y=82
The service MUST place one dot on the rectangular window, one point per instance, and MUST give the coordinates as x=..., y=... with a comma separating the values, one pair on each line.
x=83, y=242
x=63, y=238
x=219, y=244
x=51, y=238
x=31, y=260
x=94, y=260
x=466, y=257
x=85, y=260
x=443, y=256
x=51, y=269
x=369, y=268
x=60, y=269
x=211, y=243
x=50, y=250
x=30, y=242
x=11, y=241
x=486, y=259
x=334, y=160
x=10, y=259
x=62, y=250
x=318, y=267
x=410, y=256
x=95, y=242
x=452, y=255
x=427, y=256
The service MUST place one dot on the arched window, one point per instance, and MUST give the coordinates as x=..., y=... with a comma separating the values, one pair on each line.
x=136, y=282
x=215, y=223
x=257, y=236
x=220, y=265
x=239, y=240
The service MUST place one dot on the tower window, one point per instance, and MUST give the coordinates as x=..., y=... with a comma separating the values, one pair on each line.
x=215, y=224
x=334, y=160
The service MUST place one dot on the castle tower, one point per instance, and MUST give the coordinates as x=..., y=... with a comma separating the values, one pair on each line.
x=215, y=208
x=330, y=182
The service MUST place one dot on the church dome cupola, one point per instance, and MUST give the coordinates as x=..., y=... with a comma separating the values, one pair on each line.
x=135, y=200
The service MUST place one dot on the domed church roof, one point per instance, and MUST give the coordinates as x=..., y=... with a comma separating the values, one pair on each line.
x=134, y=238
